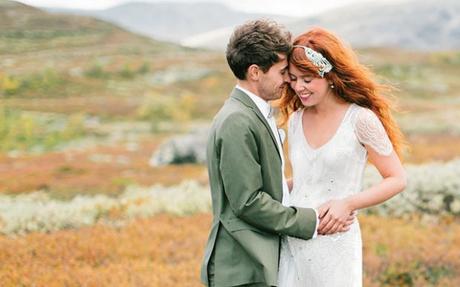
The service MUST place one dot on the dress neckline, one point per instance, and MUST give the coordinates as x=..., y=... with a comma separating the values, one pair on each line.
x=305, y=140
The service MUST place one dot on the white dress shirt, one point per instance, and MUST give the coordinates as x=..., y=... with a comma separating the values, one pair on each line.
x=266, y=109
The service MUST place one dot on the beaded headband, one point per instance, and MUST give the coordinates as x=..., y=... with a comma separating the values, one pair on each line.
x=317, y=59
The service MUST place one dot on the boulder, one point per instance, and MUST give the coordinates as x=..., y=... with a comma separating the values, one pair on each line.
x=182, y=149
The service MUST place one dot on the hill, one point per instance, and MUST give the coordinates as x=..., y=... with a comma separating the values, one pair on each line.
x=171, y=21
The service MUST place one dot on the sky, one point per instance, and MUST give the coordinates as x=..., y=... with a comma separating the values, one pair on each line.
x=282, y=7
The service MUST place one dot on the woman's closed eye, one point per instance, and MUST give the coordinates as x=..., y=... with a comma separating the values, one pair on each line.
x=304, y=80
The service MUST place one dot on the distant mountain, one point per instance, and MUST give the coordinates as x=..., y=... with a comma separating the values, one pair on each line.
x=418, y=25
x=172, y=21
x=215, y=39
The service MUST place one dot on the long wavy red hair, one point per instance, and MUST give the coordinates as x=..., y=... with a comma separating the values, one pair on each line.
x=353, y=82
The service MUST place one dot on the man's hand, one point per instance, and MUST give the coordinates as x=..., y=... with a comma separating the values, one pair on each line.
x=335, y=216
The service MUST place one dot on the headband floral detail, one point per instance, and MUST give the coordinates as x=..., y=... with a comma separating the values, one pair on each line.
x=317, y=59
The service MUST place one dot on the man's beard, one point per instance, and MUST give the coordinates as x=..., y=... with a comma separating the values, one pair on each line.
x=278, y=93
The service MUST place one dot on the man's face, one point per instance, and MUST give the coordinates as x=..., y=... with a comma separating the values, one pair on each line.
x=272, y=82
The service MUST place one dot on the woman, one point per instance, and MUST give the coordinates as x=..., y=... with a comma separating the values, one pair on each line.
x=338, y=120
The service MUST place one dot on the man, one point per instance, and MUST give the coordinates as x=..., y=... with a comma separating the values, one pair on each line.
x=245, y=165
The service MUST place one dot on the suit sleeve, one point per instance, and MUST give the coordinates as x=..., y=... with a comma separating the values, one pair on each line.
x=242, y=181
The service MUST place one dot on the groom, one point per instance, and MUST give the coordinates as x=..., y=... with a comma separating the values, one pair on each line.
x=245, y=165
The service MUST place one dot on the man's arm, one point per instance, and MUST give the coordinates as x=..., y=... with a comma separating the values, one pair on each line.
x=242, y=180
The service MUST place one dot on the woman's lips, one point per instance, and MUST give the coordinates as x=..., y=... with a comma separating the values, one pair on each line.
x=304, y=97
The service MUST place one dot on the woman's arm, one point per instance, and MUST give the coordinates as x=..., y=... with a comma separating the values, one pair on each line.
x=394, y=181
x=335, y=212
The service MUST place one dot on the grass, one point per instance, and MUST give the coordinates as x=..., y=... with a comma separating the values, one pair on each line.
x=167, y=250
x=97, y=170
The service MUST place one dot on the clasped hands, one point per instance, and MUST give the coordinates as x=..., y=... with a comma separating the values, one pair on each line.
x=335, y=216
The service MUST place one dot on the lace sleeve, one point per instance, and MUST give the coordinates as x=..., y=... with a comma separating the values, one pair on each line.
x=371, y=132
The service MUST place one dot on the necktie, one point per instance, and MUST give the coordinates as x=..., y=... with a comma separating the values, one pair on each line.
x=270, y=113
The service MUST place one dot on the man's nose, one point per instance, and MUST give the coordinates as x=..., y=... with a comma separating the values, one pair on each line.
x=286, y=78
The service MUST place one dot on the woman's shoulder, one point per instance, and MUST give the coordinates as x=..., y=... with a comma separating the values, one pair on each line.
x=370, y=131
x=365, y=115
x=361, y=115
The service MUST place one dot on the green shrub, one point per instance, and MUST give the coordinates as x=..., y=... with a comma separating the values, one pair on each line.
x=96, y=72
x=9, y=85
x=27, y=131
x=158, y=109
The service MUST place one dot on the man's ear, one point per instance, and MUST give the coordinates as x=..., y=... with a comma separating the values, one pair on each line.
x=253, y=72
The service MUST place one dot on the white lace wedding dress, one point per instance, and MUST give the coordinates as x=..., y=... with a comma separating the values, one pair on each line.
x=332, y=171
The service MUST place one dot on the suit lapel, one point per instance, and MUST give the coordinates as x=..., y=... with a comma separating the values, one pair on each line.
x=246, y=100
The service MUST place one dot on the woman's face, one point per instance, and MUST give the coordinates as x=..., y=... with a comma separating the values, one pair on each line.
x=310, y=89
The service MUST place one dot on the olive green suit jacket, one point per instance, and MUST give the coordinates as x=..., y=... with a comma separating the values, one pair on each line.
x=244, y=169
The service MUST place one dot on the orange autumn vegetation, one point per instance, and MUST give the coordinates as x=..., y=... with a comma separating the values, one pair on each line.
x=166, y=251
x=410, y=253
x=70, y=173
x=425, y=148
x=162, y=251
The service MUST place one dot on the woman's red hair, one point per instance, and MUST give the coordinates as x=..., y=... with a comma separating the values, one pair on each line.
x=352, y=81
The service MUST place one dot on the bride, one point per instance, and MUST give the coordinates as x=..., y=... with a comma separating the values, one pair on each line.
x=338, y=120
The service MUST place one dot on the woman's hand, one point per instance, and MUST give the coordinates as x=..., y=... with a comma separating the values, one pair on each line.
x=335, y=216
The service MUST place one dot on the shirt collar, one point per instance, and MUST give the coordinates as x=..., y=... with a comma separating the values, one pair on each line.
x=263, y=106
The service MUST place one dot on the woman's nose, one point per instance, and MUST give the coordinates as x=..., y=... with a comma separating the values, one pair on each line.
x=298, y=86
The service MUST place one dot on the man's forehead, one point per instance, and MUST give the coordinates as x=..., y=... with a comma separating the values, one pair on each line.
x=282, y=57
x=282, y=61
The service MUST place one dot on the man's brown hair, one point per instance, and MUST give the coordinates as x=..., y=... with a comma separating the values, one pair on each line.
x=257, y=42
